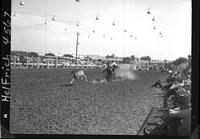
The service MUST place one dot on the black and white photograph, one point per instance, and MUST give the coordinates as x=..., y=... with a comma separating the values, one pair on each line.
x=101, y=67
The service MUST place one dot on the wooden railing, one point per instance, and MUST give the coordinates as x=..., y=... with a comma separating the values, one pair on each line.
x=51, y=65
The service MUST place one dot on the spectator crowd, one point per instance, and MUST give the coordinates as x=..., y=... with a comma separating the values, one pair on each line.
x=177, y=103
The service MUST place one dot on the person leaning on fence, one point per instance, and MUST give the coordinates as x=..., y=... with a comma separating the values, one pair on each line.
x=178, y=100
x=182, y=107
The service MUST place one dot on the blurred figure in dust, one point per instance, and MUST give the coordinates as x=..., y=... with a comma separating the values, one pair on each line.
x=110, y=71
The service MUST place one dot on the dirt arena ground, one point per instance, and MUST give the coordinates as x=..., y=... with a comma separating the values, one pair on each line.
x=43, y=102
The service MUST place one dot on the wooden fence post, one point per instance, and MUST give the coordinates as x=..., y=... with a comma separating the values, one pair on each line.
x=14, y=62
x=27, y=62
x=48, y=62
x=38, y=62
x=56, y=62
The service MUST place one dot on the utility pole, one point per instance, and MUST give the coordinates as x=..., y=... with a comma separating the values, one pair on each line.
x=77, y=43
x=27, y=60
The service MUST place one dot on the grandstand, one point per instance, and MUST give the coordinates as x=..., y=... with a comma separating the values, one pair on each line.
x=83, y=61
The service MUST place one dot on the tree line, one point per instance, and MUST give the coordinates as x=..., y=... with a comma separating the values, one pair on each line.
x=34, y=54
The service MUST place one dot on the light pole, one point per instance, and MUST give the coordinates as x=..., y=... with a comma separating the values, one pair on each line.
x=77, y=43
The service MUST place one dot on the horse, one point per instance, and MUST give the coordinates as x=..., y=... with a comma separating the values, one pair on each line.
x=110, y=71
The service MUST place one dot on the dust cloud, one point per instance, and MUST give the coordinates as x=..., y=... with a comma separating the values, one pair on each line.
x=125, y=72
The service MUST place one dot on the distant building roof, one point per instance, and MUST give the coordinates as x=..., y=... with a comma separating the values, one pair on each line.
x=95, y=57
x=114, y=59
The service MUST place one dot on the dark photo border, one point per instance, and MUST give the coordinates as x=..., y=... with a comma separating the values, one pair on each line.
x=5, y=65
x=5, y=78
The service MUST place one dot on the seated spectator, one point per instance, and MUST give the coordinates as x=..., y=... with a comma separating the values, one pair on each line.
x=185, y=122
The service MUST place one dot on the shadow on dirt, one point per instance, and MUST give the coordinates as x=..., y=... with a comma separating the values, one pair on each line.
x=67, y=85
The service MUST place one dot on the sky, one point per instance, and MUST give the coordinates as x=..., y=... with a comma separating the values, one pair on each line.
x=172, y=18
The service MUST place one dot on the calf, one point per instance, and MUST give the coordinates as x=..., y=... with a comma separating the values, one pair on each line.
x=78, y=75
x=157, y=84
